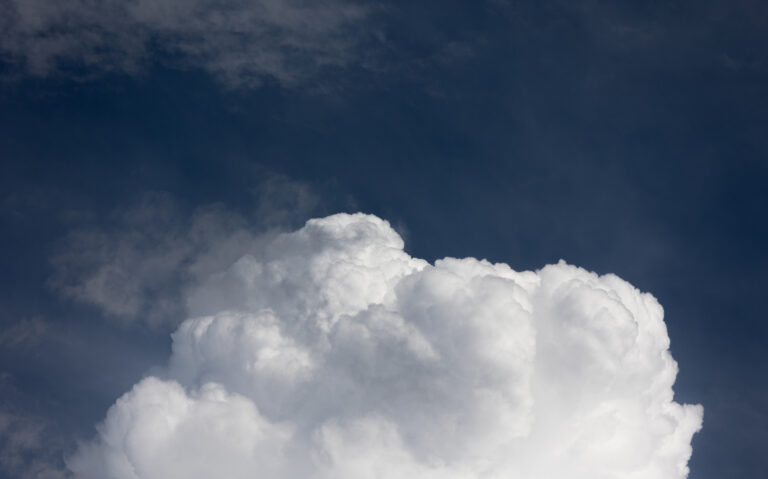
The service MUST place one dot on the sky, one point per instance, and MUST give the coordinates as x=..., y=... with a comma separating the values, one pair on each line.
x=156, y=154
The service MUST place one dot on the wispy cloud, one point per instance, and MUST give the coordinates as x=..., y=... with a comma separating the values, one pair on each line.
x=136, y=266
x=25, y=332
x=242, y=43
x=29, y=447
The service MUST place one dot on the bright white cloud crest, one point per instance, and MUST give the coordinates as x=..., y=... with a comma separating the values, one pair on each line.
x=334, y=354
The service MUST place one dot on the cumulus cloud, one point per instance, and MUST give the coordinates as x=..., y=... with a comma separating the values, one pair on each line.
x=331, y=353
x=240, y=42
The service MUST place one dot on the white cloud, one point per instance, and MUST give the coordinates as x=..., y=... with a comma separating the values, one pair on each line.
x=158, y=430
x=240, y=42
x=331, y=353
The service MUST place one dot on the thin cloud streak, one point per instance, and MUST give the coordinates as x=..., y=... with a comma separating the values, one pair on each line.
x=241, y=43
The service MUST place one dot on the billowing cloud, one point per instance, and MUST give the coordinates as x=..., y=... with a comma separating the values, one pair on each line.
x=240, y=42
x=331, y=353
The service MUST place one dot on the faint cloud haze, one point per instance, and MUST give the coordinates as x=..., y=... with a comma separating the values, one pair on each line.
x=136, y=266
x=240, y=42
x=29, y=447
x=329, y=352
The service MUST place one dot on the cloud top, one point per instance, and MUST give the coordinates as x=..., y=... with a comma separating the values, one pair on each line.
x=331, y=353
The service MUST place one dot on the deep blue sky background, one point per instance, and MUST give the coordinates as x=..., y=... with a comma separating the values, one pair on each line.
x=627, y=138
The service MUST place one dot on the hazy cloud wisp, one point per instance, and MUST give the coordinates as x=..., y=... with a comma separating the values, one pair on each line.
x=136, y=266
x=240, y=42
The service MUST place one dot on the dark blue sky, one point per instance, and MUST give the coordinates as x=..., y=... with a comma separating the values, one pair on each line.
x=623, y=138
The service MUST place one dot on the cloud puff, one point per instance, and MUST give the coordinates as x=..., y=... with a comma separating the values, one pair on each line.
x=331, y=353
x=240, y=42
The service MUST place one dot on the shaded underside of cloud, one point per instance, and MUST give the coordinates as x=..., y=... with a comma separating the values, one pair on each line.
x=329, y=352
x=239, y=42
